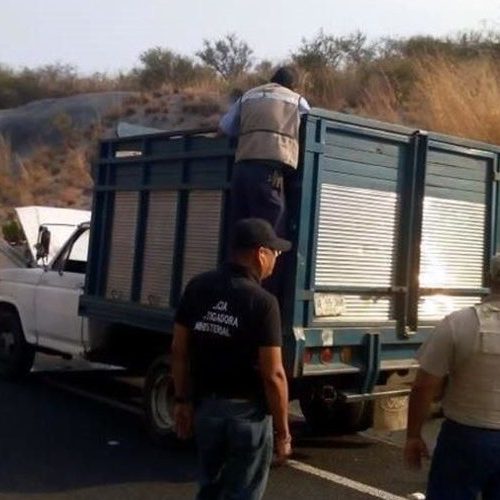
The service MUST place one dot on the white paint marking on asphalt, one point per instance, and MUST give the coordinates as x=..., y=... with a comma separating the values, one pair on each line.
x=100, y=399
x=343, y=481
x=309, y=469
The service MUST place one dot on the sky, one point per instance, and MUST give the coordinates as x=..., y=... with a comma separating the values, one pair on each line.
x=109, y=35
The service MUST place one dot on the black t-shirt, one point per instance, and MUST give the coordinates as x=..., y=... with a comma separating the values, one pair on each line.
x=229, y=316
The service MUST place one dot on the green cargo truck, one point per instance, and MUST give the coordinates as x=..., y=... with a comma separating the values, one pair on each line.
x=391, y=229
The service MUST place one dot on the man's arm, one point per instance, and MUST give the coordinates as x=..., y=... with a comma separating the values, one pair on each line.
x=180, y=372
x=424, y=391
x=276, y=390
x=230, y=123
x=303, y=106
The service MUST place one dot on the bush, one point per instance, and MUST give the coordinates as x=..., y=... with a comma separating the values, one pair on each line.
x=334, y=52
x=53, y=80
x=228, y=56
x=12, y=232
x=162, y=66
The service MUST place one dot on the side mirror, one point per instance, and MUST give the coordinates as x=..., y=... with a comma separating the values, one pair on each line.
x=43, y=243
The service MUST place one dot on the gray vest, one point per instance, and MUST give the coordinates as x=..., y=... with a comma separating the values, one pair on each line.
x=473, y=393
x=269, y=126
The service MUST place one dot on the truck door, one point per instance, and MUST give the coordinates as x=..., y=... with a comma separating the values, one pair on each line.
x=403, y=229
x=361, y=213
x=58, y=324
x=455, y=241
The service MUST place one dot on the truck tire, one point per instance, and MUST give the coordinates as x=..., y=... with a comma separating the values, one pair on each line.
x=159, y=402
x=334, y=415
x=16, y=355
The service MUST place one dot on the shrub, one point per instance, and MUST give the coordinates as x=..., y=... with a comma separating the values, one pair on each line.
x=12, y=232
x=160, y=66
x=333, y=51
x=228, y=56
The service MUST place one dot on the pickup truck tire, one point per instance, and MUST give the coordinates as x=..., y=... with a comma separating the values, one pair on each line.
x=323, y=415
x=16, y=355
x=159, y=402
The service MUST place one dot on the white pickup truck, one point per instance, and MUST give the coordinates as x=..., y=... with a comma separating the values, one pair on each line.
x=39, y=313
x=39, y=302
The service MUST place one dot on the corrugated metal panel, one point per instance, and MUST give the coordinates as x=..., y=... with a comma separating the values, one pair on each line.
x=159, y=248
x=452, y=251
x=202, y=233
x=121, y=256
x=355, y=245
x=434, y=307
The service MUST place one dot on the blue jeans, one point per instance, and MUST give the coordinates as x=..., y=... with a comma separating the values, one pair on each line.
x=235, y=445
x=466, y=462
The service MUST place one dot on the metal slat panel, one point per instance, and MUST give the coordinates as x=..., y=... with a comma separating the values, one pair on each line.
x=159, y=248
x=452, y=247
x=202, y=233
x=355, y=246
x=121, y=255
x=435, y=307
x=452, y=253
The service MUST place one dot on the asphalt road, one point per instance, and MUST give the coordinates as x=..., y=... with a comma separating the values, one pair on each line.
x=79, y=436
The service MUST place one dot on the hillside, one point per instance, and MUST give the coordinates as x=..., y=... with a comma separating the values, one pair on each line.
x=449, y=85
x=46, y=146
x=46, y=121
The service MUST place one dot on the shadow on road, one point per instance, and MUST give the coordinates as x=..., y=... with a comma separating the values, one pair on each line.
x=51, y=441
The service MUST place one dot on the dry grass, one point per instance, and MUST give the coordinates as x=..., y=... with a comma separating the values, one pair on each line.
x=5, y=153
x=435, y=93
x=209, y=84
x=379, y=100
x=51, y=176
x=458, y=98
x=202, y=104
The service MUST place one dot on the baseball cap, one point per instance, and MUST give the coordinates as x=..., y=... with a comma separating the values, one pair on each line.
x=495, y=267
x=254, y=232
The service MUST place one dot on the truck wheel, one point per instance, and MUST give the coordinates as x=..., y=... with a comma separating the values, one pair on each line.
x=324, y=414
x=16, y=355
x=159, y=402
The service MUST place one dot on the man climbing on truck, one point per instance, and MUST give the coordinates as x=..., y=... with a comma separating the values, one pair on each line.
x=266, y=120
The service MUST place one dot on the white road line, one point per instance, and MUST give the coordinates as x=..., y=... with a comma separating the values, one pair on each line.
x=100, y=399
x=309, y=469
x=343, y=481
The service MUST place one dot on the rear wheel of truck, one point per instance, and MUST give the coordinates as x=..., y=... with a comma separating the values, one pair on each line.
x=16, y=355
x=159, y=402
x=328, y=414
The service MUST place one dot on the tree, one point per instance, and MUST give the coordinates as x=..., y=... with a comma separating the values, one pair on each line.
x=165, y=66
x=228, y=56
x=334, y=52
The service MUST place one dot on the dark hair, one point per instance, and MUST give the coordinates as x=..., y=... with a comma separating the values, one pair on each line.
x=286, y=76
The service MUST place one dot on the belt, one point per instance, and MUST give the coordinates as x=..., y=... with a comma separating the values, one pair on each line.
x=232, y=400
x=230, y=397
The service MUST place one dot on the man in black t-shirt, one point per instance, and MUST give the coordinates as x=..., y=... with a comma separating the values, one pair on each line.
x=227, y=366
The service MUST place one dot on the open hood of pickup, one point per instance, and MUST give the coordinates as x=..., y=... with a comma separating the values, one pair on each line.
x=61, y=222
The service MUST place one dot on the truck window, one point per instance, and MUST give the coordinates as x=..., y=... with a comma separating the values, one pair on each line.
x=76, y=255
